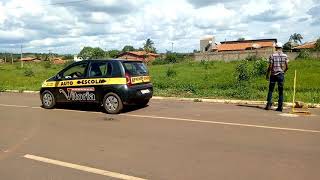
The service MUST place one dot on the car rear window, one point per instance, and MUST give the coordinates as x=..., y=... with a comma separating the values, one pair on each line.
x=135, y=68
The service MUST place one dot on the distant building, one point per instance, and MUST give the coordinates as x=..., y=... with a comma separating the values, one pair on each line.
x=30, y=59
x=247, y=45
x=307, y=45
x=58, y=61
x=138, y=55
x=208, y=44
x=76, y=58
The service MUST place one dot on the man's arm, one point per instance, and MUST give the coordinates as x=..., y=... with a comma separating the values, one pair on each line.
x=286, y=64
x=269, y=68
x=268, y=72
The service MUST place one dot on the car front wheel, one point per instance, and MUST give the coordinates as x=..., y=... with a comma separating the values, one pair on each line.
x=48, y=100
x=112, y=103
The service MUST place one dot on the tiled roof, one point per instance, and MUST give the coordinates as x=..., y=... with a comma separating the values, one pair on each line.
x=28, y=59
x=239, y=46
x=307, y=45
x=142, y=53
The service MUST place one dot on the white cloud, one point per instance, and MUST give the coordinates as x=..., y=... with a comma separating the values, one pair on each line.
x=112, y=24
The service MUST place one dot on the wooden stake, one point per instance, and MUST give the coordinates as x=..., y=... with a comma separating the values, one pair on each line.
x=294, y=89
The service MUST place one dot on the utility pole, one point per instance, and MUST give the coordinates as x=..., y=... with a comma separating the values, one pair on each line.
x=172, y=47
x=49, y=55
x=11, y=59
x=21, y=57
x=5, y=57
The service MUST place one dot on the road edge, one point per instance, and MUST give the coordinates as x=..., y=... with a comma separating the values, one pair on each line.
x=224, y=101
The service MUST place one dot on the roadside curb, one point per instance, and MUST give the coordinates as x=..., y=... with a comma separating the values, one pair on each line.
x=21, y=91
x=224, y=101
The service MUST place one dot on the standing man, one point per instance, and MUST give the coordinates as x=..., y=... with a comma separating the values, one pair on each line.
x=278, y=65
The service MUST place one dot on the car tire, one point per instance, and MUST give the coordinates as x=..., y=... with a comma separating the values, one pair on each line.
x=143, y=103
x=48, y=100
x=112, y=103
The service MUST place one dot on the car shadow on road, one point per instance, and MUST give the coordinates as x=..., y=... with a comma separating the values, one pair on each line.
x=80, y=107
x=95, y=107
x=130, y=108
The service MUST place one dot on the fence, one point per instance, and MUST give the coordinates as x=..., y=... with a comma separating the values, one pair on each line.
x=239, y=55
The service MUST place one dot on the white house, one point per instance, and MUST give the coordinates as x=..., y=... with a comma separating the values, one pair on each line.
x=76, y=58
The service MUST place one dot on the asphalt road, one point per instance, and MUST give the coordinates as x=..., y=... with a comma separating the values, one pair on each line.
x=166, y=140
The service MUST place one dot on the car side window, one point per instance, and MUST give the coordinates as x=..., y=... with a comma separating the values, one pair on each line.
x=100, y=69
x=75, y=72
x=116, y=69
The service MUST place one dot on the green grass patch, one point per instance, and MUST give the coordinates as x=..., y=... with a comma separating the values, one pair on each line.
x=191, y=79
x=220, y=80
x=30, y=77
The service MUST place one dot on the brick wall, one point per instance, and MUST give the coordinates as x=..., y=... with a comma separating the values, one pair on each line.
x=239, y=55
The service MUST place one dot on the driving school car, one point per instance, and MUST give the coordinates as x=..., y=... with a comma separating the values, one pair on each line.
x=110, y=83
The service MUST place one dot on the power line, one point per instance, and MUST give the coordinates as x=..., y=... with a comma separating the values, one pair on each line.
x=58, y=3
x=68, y=2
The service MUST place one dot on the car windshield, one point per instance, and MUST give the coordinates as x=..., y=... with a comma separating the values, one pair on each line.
x=135, y=68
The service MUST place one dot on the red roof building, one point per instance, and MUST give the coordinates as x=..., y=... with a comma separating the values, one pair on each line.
x=245, y=45
x=138, y=55
x=28, y=59
x=307, y=45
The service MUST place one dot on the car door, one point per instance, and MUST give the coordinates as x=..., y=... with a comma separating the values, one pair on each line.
x=99, y=71
x=70, y=88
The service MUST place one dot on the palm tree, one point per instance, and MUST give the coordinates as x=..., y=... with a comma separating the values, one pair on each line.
x=296, y=37
x=148, y=46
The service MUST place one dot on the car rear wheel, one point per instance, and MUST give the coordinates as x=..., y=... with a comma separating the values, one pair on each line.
x=112, y=103
x=48, y=100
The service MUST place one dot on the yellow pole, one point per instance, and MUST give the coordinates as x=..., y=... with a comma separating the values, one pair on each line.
x=294, y=89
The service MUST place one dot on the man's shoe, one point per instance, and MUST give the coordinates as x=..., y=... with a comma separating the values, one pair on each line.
x=279, y=109
x=268, y=107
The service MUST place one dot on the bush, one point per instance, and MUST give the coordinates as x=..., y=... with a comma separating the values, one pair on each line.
x=47, y=65
x=304, y=54
x=158, y=61
x=171, y=58
x=171, y=72
x=252, y=58
x=205, y=64
x=28, y=72
x=243, y=71
x=260, y=67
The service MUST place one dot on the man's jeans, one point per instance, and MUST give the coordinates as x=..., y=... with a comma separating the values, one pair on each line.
x=273, y=80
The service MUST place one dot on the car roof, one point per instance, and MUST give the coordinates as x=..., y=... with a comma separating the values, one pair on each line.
x=121, y=60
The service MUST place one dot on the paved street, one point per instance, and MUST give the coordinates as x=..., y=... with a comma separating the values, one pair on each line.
x=168, y=140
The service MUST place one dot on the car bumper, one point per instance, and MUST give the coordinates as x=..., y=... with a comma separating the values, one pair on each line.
x=138, y=92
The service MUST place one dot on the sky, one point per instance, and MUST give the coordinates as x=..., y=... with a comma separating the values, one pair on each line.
x=66, y=26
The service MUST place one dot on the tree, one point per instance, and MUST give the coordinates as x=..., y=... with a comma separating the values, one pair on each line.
x=241, y=39
x=148, y=46
x=296, y=37
x=91, y=53
x=113, y=53
x=127, y=48
x=318, y=45
x=287, y=46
